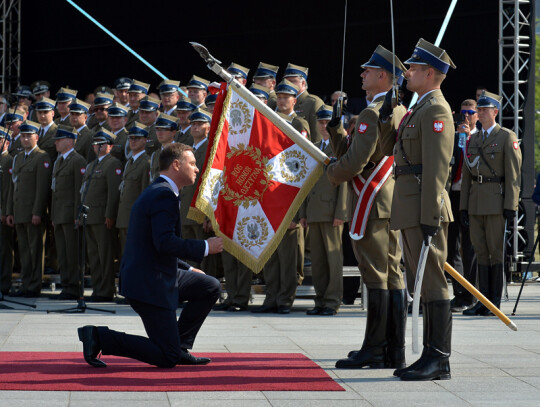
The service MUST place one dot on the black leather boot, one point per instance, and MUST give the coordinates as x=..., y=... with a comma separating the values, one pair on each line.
x=483, y=287
x=372, y=353
x=395, y=331
x=425, y=342
x=435, y=364
x=495, y=287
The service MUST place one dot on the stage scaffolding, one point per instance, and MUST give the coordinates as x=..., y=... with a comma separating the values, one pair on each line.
x=10, y=43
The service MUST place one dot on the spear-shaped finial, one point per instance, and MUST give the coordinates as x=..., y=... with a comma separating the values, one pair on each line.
x=203, y=52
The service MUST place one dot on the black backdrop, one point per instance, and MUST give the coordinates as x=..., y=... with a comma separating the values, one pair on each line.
x=62, y=46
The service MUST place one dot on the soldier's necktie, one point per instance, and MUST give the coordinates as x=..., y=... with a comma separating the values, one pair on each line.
x=40, y=134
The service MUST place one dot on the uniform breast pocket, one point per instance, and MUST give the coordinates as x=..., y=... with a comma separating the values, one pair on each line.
x=494, y=149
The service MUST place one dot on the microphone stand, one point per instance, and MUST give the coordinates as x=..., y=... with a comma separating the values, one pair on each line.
x=2, y=298
x=82, y=216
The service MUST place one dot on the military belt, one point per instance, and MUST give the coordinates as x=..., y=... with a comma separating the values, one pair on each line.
x=480, y=179
x=407, y=170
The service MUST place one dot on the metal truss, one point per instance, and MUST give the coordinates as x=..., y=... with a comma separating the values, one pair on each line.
x=516, y=57
x=10, y=44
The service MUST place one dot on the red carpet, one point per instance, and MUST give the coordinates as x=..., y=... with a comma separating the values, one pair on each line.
x=228, y=372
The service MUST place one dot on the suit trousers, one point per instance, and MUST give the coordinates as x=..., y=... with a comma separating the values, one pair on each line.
x=100, y=249
x=280, y=273
x=166, y=334
x=6, y=257
x=31, y=240
x=434, y=285
x=378, y=254
x=487, y=236
x=326, y=263
x=461, y=254
x=237, y=280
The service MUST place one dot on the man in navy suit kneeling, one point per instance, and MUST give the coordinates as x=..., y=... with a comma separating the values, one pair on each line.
x=155, y=277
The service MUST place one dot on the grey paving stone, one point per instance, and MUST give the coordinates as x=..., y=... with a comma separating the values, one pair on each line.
x=418, y=398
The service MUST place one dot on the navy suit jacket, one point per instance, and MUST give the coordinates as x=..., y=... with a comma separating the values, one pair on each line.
x=149, y=269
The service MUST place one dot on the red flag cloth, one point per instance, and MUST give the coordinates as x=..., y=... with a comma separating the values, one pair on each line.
x=254, y=180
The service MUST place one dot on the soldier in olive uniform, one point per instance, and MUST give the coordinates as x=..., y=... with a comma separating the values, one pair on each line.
x=210, y=102
x=421, y=207
x=376, y=247
x=13, y=120
x=47, y=130
x=239, y=72
x=265, y=75
x=98, y=119
x=120, y=90
x=136, y=92
x=325, y=210
x=67, y=175
x=6, y=232
x=101, y=195
x=78, y=115
x=489, y=196
x=166, y=127
x=117, y=118
x=169, y=94
x=184, y=108
x=135, y=179
x=307, y=104
x=64, y=97
x=28, y=207
x=200, y=123
x=197, y=90
x=148, y=114
x=40, y=90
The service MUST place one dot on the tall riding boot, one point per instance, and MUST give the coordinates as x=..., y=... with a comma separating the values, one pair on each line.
x=483, y=287
x=425, y=342
x=436, y=365
x=495, y=287
x=372, y=353
x=395, y=330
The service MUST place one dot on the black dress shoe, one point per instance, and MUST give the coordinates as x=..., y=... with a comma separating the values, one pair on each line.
x=327, y=311
x=221, y=307
x=88, y=335
x=187, y=358
x=348, y=301
x=264, y=309
x=314, y=311
x=236, y=308
x=283, y=309
x=99, y=298
x=65, y=296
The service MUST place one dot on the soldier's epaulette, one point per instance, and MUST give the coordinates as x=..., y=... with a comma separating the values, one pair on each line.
x=507, y=131
x=372, y=105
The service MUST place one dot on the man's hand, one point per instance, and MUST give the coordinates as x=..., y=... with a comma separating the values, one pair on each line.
x=337, y=222
x=464, y=218
x=207, y=226
x=292, y=225
x=428, y=230
x=9, y=220
x=303, y=222
x=36, y=220
x=336, y=113
x=197, y=270
x=215, y=245
x=386, y=109
x=509, y=215
x=109, y=223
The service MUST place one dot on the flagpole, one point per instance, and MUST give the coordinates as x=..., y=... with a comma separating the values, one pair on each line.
x=294, y=135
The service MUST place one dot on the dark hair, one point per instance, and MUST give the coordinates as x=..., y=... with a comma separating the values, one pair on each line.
x=171, y=152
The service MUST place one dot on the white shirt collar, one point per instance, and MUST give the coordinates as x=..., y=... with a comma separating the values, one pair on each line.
x=137, y=155
x=200, y=143
x=102, y=157
x=118, y=131
x=424, y=95
x=30, y=152
x=82, y=127
x=171, y=183
x=378, y=95
x=65, y=155
x=46, y=128
x=186, y=129
x=490, y=129
x=171, y=110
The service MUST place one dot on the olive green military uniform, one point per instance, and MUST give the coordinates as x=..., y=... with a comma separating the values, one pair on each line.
x=306, y=107
x=119, y=149
x=83, y=146
x=6, y=237
x=15, y=147
x=135, y=179
x=46, y=142
x=272, y=100
x=132, y=117
x=59, y=120
x=152, y=143
x=32, y=180
x=66, y=184
x=102, y=199
x=184, y=137
x=426, y=139
x=323, y=204
x=378, y=252
x=94, y=125
x=154, y=165
x=485, y=194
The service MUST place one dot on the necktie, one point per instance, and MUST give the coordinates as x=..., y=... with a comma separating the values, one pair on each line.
x=40, y=134
x=485, y=136
x=60, y=160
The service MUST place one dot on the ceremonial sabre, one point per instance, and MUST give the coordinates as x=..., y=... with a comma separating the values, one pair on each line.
x=417, y=288
x=291, y=132
x=470, y=288
x=395, y=86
